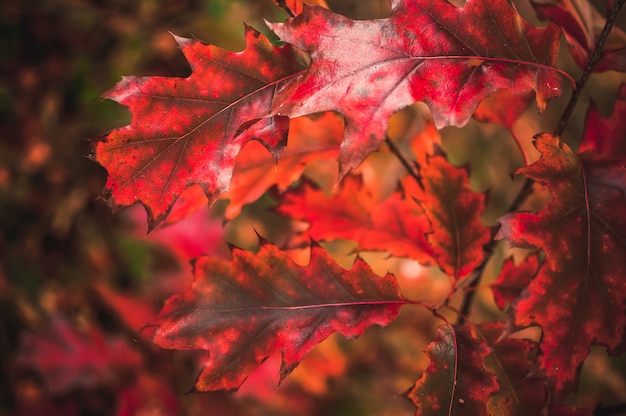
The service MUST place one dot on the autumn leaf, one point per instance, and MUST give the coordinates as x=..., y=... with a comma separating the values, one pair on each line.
x=396, y=224
x=256, y=170
x=454, y=211
x=605, y=135
x=449, y=57
x=519, y=392
x=188, y=131
x=456, y=381
x=426, y=143
x=582, y=25
x=503, y=108
x=296, y=6
x=513, y=279
x=578, y=294
x=68, y=358
x=242, y=311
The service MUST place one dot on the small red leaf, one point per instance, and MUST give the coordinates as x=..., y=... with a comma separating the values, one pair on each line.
x=456, y=382
x=244, y=310
x=605, y=135
x=454, y=211
x=396, y=224
x=519, y=393
x=503, y=107
x=579, y=292
x=514, y=279
x=256, y=170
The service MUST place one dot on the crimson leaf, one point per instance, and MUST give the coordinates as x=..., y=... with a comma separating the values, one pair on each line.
x=605, y=135
x=579, y=292
x=396, y=224
x=514, y=279
x=244, y=310
x=449, y=57
x=456, y=381
x=189, y=130
x=454, y=211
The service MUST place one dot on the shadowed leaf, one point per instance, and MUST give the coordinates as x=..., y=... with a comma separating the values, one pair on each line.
x=456, y=382
x=242, y=311
x=579, y=292
x=396, y=224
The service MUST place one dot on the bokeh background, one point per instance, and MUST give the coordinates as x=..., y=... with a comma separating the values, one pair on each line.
x=77, y=283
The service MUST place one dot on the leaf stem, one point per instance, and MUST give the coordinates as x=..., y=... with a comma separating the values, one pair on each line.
x=407, y=165
x=593, y=60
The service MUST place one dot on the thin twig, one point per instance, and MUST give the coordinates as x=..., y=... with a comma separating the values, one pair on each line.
x=593, y=60
x=283, y=5
x=407, y=165
x=470, y=293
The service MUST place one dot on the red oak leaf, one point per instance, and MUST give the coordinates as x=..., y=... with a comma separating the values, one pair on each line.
x=69, y=359
x=449, y=57
x=582, y=25
x=520, y=394
x=396, y=224
x=454, y=211
x=243, y=311
x=606, y=136
x=579, y=292
x=514, y=279
x=189, y=130
x=256, y=170
x=456, y=381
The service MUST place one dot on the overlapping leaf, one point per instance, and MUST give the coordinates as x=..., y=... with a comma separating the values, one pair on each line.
x=519, y=394
x=514, y=279
x=449, y=57
x=456, y=382
x=582, y=25
x=396, y=224
x=579, y=292
x=189, y=130
x=605, y=135
x=454, y=211
x=70, y=359
x=244, y=310
x=256, y=171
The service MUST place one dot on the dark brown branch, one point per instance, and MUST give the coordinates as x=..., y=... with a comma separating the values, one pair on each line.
x=283, y=5
x=470, y=291
x=407, y=165
x=593, y=60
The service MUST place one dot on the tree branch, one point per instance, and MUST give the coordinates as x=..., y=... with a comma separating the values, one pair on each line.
x=522, y=195
x=407, y=165
x=593, y=60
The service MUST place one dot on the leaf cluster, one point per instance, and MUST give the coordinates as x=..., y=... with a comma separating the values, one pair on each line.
x=328, y=92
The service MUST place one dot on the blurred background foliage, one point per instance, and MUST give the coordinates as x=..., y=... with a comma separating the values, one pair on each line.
x=77, y=283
